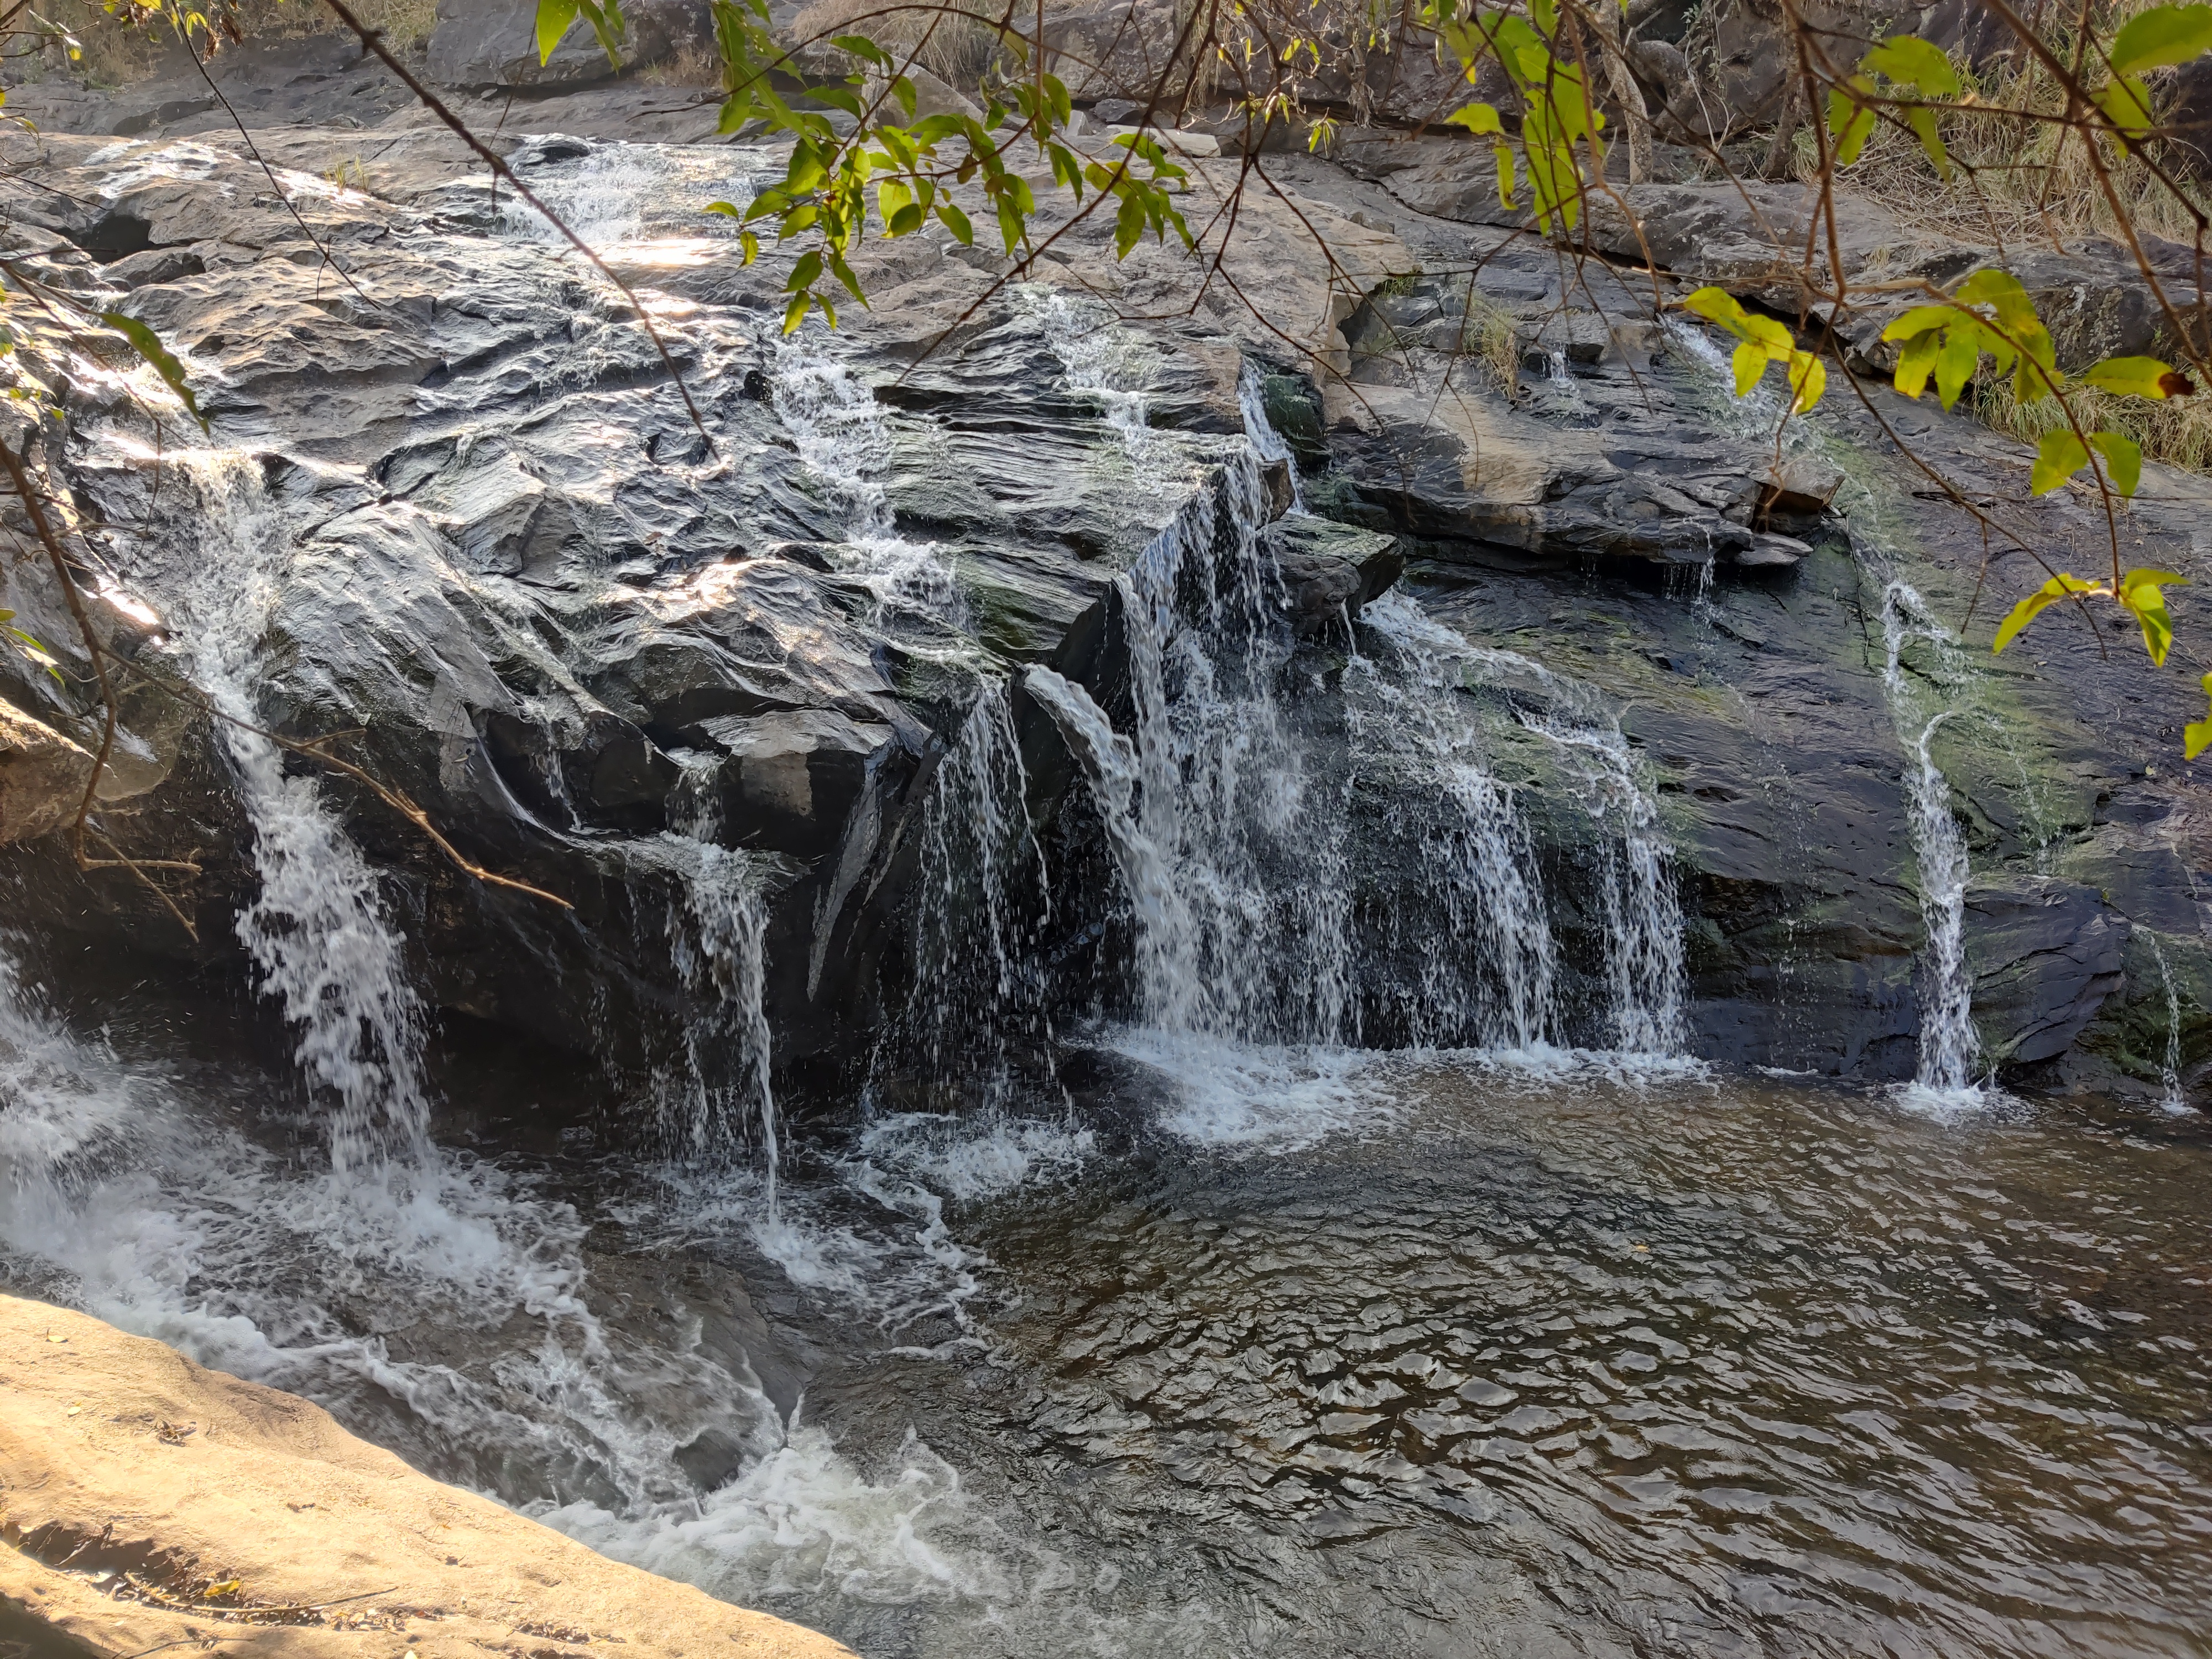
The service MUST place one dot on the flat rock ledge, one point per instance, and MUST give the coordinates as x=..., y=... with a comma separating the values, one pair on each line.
x=118, y=1456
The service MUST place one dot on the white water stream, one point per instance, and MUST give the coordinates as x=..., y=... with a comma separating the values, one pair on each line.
x=1947, y=1041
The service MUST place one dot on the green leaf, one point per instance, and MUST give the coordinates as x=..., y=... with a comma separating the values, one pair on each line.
x=859, y=46
x=905, y=222
x=147, y=344
x=2141, y=591
x=1128, y=225
x=1716, y=304
x=2138, y=377
x=1750, y=362
x=903, y=90
x=2126, y=105
x=1912, y=62
x=751, y=243
x=2123, y=459
x=1850, y=122
x=2036, y=352
x=2036, y=603
x=795, y=313
x=555, y=19
x=2000, y=289
x=2162, y=35
x=727, y=209
x=2057, y=459
x=1808, y=379
x=2196, y=736
x=804, y=273
x=1917, y=361
x=957, y=221
x=1505, y=156
x=1476, y=117
x=843, y=273
x=1955, y=364
x=1921, y=120
x=1010, y=224
x=1919, y=320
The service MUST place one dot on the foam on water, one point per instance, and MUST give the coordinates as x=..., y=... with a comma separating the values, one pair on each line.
x=1259, y=1098
x=847, y=443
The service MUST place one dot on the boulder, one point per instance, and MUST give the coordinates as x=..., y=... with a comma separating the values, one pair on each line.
x=493, y=43
x=118, y=1454
x=1329, y=570
x=2044, y=954
x=42, y=776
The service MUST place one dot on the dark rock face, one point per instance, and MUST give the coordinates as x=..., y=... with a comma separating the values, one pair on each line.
x=580, y=631
x=2046, y=954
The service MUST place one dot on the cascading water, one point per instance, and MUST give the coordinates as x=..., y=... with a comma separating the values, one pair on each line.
x=845, y=440
x=1641, y=912
x=318, y=930
x=1232, y=834
x=983, y=894
x=1947, y=1041
x=724, y=1086
x=2171, y=1098
x=1407, y=728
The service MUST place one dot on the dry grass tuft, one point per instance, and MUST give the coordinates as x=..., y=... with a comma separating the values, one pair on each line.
x=2176, y=430
x=2017, y=180
x=960, y=43
x=123, y=46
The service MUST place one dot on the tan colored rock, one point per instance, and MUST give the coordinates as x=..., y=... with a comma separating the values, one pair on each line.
x=42, y=776
x=123, y=1451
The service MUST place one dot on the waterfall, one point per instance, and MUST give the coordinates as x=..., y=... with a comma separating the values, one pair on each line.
x=1103, y=359
x=845, y=441
x=320, y=935
x=1948, y=1042
x=716, y=944
x=981, y=895
x=1109, y=763
x=1258, y=945
x=2170, y=1069
x=1636, y=898
x=1489, y=971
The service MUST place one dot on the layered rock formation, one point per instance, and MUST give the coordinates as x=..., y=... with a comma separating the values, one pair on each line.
x=573, y=626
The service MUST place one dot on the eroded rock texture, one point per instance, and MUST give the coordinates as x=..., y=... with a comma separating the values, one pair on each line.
x=464, y=518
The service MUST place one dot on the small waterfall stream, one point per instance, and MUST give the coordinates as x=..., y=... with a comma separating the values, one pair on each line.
x=724, y=1086
x=1643, y=914
x=1948, y=1042
x=319, y=931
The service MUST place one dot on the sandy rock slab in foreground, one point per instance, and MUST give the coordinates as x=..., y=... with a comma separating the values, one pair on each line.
x=124, y=1451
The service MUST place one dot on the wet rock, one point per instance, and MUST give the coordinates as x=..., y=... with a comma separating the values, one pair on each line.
x=1330, y=570
x=493, y=43
x=2045, y=954
x=42, y=776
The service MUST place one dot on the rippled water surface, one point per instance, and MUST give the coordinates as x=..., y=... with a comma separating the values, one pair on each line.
x=1373, y=1357
x=1702, y=1368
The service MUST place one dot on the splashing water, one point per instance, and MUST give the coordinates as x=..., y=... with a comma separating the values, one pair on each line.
x=1947, y=1041
x=319, y=931
x=982, y=893
x=1641, y=911
x=1476, y=856
x=717, y=946
x=844, y=441
x=2173, y=1100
